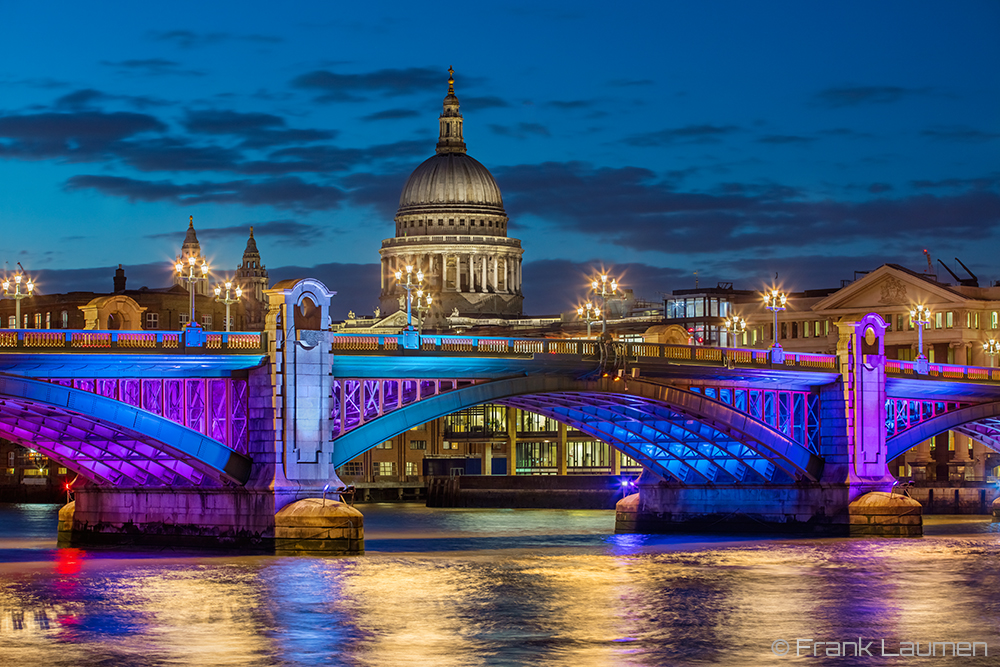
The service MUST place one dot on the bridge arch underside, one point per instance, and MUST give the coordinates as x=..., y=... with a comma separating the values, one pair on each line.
x=979, y=422
x=112, y=443
x=676, y=434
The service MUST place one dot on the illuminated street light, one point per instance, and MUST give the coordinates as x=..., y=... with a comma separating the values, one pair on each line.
x=227, y=300
x=422, y=304
x=607, y=290
x=776, y=301
x=17, y=294
x=411, y=338
x=589, y=313
x=992, y=349
x=735, y=325
x=196, y=273
x=921, y=316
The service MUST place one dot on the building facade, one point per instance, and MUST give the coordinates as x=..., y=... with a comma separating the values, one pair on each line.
x=452, y=226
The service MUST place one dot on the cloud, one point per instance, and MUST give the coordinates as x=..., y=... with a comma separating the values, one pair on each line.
x=960, y=133
x=188, y=39
x=689, y=134
x=287, y=193
x=380, y=191
x=257, y=130
x=357, y=285
x=633, y=208
x=778, y=139
x=335, y=87
x=850, y=96
x=280, y=232
x=879, y=188
x=79, y=136
x=151, y=67
x=101, y=279
x=553, y=286
x=521, y=130
x=87, y=98
x=986, y=183
x=391, y=114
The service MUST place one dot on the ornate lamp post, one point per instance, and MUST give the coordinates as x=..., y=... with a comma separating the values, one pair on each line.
x=17, y=294
x=422, y=305
x=775, y=301
x=735, y=325
x=227, y=300
x=607, y=290
x=921, y=316
x=411, y=338
x=992, y=349
x=589, y=313
x=192, y=277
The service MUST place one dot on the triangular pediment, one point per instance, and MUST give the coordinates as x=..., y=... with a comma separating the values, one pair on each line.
x=889, y=287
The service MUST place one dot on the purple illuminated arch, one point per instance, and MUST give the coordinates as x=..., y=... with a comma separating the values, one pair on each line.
x=675, y=433
x=109, y=441
x=981, y=422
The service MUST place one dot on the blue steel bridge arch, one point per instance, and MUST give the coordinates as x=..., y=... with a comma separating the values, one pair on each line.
x=980, y=421
x=110, y=442
x=677, y=434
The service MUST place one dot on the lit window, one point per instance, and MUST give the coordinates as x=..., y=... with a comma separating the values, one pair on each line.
x=48, y=320
x=64, y=317
x=950, y=319
x=183, y=318
x=206, y=322
x=418, y=444
x=411, y=468
x=939, y=320
x=384, y=468
x=63, y=471
x=384, y=445
x=352, y=469
x=38, y=320
x=11, y=322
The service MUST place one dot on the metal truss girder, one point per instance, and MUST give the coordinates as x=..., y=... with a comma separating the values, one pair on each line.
x=74, y=407
x=673, y=431
x=673, y=416
x=795, y=460
x=99, y=448
x=904, y=440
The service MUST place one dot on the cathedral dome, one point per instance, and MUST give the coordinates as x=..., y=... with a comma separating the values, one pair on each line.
x=451, y=178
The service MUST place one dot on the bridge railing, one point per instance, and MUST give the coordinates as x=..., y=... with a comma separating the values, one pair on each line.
x=493, y=345
x=83, y=340
x=947, y=371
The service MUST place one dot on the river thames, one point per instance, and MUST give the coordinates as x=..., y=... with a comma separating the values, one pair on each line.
x=504, y=587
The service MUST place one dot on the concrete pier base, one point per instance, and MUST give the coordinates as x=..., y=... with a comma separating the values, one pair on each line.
x=813, y=509
x=227, y=518
x=317, y=525
x=879, y=514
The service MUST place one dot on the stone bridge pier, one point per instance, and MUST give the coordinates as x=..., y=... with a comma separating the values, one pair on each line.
x=852, y=496
x=288, y=500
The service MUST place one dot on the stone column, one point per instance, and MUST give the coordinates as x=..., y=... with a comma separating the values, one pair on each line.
x=458, y=273
x=979, y=454
x=921, y=459
x=511, y=441
x=561, y=450
x=496, y=284
x=487, y=461
x=472, y=272
x=485, y=284
x=960, y=457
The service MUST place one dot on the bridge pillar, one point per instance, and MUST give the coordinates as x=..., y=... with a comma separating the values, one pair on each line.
x=853, y=495
x=290, y=502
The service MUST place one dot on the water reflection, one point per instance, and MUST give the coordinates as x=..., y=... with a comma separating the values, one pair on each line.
x=544, y=587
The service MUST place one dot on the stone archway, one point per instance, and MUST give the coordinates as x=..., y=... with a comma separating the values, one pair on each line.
x=113, y=312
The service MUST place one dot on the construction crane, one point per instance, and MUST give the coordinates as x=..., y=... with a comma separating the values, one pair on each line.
x=930, y=265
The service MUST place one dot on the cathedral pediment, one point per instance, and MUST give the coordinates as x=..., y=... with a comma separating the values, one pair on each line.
x=888, y=287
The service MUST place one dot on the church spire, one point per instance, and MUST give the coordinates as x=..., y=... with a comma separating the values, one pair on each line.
x=450, y=139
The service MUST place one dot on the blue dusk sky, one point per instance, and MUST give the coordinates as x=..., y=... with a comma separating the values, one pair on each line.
x=659, y=139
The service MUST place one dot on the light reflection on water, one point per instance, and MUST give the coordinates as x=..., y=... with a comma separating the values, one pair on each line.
x=493, y=587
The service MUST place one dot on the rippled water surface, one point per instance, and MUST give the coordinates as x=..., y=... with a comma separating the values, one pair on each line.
x=445, y=587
